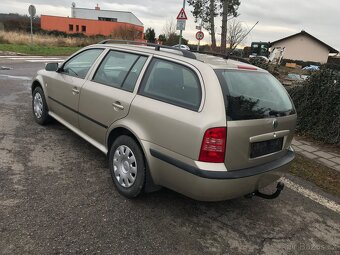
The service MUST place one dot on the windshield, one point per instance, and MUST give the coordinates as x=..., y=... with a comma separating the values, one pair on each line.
x=253, y=95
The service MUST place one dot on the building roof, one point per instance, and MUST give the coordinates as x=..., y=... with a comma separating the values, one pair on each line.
x=110, y=11
x=331, y=49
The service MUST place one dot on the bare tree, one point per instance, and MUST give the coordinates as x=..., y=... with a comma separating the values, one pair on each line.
x=236, y=33
x=205, y=11
x=229, y=11
x=126, y=32
x=212, y=8
x=169, y=28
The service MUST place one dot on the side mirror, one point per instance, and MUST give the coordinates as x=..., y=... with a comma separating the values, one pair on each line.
x=53, y=67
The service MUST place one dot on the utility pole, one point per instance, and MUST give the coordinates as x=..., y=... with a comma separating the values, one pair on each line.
x=180, y=33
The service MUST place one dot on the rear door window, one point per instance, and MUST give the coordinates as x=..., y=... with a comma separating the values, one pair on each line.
x=120, y=70
x=253, y=95
x=172, y=83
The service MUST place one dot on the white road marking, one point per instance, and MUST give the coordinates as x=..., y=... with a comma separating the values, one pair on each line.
x=9, y=56
x=44, y=60
x=16, y=77
x=33, y=59
x=312, y=195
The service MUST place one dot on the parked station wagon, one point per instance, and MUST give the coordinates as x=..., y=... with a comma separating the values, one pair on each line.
x=205, y=126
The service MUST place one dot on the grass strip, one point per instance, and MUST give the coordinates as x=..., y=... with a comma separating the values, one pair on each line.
x=39, y=50
x=326, y=178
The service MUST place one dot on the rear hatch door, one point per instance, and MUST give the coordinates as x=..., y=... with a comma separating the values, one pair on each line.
x=261, y=117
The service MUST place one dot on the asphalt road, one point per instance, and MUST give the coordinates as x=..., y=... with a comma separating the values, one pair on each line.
x=57, y=197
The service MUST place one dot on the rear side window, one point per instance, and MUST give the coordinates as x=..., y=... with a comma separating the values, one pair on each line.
x=120, y=70
x=253, y=95
x=172, y=83
x=79, y=65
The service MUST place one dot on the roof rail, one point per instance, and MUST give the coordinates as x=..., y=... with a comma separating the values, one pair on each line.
x=186, y=53
x=225, y=56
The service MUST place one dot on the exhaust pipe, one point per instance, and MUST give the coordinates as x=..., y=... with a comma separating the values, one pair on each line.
x=279, y=188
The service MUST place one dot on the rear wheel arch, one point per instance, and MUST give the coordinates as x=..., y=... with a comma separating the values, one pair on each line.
x=116, y=132
x=150, y=186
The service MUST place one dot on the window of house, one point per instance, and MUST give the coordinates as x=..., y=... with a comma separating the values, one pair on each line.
x=107, y=19
x=77, y=28
x=83, y=29
x=172, y=83
x=70, y=27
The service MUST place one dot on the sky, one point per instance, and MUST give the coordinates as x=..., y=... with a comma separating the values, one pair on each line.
x=277, y=18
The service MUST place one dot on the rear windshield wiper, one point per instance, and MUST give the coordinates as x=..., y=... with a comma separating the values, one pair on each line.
x=279, y=113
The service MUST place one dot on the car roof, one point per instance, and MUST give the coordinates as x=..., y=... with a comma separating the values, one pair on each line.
x=218, y=62
x=215, y=62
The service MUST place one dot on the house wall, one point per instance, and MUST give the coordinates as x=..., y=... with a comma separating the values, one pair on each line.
x=302, y=47
x=93, y=27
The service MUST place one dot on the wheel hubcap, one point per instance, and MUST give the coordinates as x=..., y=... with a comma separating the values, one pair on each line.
x=125, y=166
x=38, y=105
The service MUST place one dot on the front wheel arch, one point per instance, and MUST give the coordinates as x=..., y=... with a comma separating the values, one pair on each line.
x=36, y=84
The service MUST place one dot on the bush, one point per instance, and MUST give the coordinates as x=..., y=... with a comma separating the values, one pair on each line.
x=3, y=40
x=317, y=103
x=259, y=62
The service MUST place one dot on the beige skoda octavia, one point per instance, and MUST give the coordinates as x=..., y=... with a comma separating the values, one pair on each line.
x=205, y=126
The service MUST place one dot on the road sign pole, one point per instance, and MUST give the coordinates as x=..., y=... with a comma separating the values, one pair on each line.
x=199, y=41
x=181, y=31
x=31, y=30
x=32, y=11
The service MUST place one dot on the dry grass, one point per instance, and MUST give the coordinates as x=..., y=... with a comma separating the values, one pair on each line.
x=326, y=178
x=44, y=40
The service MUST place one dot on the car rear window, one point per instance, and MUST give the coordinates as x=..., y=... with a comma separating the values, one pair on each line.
x=253, y=95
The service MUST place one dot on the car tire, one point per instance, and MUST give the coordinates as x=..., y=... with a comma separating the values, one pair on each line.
x=39, y=107
x=127, y=166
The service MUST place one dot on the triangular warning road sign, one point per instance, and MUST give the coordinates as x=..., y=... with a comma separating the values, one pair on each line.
x=182, y=15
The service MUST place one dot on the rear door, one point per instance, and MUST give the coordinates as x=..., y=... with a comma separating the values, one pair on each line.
x=167, y=106
x=64, y=86
x=107, y=96
x=261, y=118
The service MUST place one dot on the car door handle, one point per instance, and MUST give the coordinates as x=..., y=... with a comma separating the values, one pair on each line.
x=118, y=105
x=75, y=91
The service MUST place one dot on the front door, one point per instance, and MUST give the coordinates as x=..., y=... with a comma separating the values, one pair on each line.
x=108, y=96
x=64, y=86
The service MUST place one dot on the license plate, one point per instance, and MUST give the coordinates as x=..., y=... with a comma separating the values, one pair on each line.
x=266, y=147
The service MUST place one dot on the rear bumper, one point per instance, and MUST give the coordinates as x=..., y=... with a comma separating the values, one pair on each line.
x=207, y=185
x=236, y=174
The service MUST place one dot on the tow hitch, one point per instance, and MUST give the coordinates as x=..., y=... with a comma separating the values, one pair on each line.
x=279, y=188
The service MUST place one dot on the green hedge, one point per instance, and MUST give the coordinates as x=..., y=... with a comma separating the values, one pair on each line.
x=259, y=62
x=318, y=105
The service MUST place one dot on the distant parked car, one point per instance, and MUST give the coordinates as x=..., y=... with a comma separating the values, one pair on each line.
x=183, y=46
x=207, y=127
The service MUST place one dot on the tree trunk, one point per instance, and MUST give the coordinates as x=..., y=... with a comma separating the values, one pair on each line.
x=224, y=26
x=212, y=24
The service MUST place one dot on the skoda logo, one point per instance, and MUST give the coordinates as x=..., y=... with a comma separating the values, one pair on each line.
x=275, y=123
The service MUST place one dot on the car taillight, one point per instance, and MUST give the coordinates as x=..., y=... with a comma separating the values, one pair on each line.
x=213, y=145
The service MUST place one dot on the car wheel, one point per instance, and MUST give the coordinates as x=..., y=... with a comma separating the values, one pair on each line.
x=39, y=106
x=127, y=166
